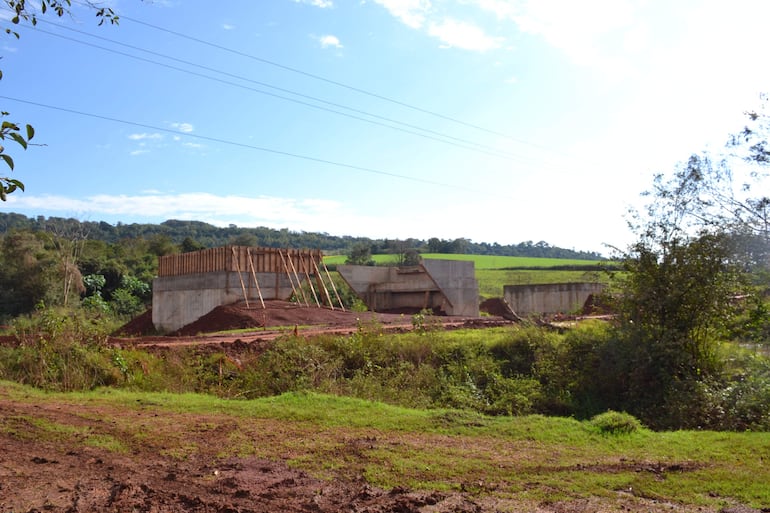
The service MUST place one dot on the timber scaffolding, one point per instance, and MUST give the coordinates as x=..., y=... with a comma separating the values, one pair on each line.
x=297, y=265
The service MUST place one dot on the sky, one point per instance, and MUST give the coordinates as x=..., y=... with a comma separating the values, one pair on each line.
x=492, y=120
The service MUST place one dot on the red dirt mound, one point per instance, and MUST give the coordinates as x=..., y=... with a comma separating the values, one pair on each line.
x=279, y=313
x=138, y=326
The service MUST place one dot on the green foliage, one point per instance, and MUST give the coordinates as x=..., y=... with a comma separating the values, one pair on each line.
x=94, y=283
x=751, y=324
x=96, y=303
x=616, y=423
x=672, y=308
x=189, y=245
x=60, y=351
x=424, y=321
x=508, y=371
x=291, y=365
x=125, y=304
x=12, y=131
x=360, y=254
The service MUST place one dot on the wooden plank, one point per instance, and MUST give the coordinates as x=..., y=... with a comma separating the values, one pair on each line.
x=243, y=287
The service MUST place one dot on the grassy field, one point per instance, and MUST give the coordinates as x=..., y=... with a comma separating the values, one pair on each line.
x=492, y=281
x=532, y=458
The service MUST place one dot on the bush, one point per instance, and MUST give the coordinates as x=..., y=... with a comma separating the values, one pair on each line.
x=616, y=423
x=61, y=350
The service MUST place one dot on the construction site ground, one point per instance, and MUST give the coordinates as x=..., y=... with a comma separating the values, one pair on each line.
x=243, y=323
x=47, y=469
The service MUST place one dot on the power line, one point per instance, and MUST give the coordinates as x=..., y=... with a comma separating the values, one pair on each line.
x=333, y=82
x=440, y=137
x=249, y=146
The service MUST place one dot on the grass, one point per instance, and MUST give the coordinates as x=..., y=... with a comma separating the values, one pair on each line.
x=529, y=458
x=493, y=281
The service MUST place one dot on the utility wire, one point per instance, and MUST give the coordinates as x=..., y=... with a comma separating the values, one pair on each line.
x=488, y=150
x=463, y=143
x=330, y=81
x=250, y=146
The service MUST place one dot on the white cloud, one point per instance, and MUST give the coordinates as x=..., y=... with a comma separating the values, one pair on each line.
x=460, y=34
x=411, y=12
x=329, y=41
x=145, y=136
x=227, y=26
x=183, y=127
x=323, y=4
x=453, y=32
x=592, y=33
x=501, y=8
x=138, y=152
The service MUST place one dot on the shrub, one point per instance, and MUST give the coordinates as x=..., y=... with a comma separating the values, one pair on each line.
x=616, y=423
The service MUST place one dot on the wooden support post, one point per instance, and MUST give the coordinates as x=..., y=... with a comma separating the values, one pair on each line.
x=299, y=282
x=243, y=286
x=310, y=282
x=288, y=274
x=254, y=274
x=321, y=281
x=334, y=288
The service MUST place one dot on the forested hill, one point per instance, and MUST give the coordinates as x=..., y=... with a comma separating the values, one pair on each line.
x=191, y=235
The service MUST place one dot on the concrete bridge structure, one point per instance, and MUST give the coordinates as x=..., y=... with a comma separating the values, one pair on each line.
x=190, y=285
x=551, y=298
x=447, y=286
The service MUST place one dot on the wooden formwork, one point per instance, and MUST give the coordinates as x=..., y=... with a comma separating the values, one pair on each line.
x=240, y=259
x=297, y=264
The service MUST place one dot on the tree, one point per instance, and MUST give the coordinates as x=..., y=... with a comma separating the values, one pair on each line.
x=68, y=240
x=406, y=251
x=25, y=273
x=676, y=294
x=189, y=245
x=360, y=254
x=13, y=131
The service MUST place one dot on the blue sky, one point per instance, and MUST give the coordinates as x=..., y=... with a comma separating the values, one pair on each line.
x=494, y=120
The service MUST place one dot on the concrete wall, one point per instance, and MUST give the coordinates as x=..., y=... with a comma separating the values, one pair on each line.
x=549, y=299
x=457, y=279
x=447, y=285
x=180, y=300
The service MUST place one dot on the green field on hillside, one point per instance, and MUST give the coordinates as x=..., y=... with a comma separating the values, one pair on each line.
x=481, y=261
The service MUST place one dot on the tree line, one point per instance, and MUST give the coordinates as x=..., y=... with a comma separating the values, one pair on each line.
x=192, y=235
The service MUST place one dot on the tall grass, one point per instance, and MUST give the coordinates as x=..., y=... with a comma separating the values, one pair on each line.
x=502, y=371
